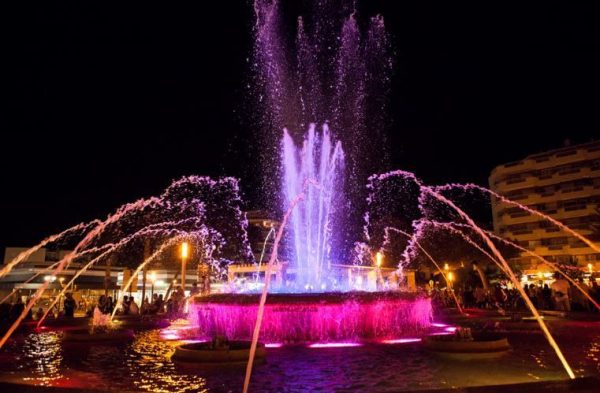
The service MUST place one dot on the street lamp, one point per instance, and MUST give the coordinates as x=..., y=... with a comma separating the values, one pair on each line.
x=185, y=251
x=152, y=280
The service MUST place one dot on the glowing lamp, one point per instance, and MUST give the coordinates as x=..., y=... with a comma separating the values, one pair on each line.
x=450, y=277
x=152, y=277
x=446, y=267
x=185, y=250
x=378, y=259
x=590, y=267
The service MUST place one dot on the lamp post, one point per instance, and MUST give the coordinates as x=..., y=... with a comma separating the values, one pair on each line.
x=152, y=281
x=185, y=251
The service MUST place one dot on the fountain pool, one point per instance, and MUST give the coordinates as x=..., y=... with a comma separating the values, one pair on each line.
x=314, y=317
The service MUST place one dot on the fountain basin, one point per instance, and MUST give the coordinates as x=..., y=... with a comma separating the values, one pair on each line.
x=313, y=317
x=482, y=347
x=236, y=352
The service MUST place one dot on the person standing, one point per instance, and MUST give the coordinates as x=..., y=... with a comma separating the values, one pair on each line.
x=69, y=305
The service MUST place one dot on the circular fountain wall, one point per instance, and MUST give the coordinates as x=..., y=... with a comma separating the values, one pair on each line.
x=313, y=317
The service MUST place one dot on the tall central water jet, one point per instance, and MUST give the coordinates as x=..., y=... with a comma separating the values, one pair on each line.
x=321, y=160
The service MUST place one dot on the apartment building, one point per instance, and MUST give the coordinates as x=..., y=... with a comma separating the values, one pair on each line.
x=562, y=183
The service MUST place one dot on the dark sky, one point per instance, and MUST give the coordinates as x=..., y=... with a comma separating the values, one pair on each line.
x=107, y=103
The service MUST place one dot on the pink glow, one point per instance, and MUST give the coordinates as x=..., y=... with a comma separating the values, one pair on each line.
x=436, y=324
x=441, y=334
x=401, y=341
x=170, y=336
x=451, y=329
x=274, y=345
x=316, y=319
x=334, y=345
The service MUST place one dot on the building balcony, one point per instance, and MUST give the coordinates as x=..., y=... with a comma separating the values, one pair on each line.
x=558, y=214
x=534, y=198
x=548, y=160
x=530, y=180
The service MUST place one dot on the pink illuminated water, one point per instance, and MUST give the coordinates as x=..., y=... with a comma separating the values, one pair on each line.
x=334, y=345
x=312, y=320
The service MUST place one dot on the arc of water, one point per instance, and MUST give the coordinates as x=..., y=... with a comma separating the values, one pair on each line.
x=264, y=247
x=47, y=268
x=152, y=257
x=414, y=239
x=263, y=296
x=23, y=256
x=66, y=261
x=528, y=209
x=469, y=240
x=511, y=274
x=52, y=266
x=149, y=230
x=543, y=260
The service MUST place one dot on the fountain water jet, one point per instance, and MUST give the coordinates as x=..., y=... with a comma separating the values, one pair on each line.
x=529, y=252
x=311, y=223
x=147, y=231
x=528, y=209
x=434, y=192
x=511, y=275
x=414, y=239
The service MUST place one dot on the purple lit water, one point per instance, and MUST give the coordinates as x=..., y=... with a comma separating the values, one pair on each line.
x=313, y=221
x=332, y=66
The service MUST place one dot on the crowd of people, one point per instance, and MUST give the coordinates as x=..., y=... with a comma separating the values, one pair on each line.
x=173, y=307
x=560, y=295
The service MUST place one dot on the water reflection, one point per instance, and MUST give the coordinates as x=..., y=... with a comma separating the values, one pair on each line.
x=42, y=357
x=145, y=364
x=152, y=369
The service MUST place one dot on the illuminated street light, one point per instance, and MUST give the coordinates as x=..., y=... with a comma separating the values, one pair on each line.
x=446, y=267
x=185, y=251
x=590, y=267
x=378, y=259
x=152, y=278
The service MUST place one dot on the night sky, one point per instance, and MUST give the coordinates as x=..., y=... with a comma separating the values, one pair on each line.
x=108, y=103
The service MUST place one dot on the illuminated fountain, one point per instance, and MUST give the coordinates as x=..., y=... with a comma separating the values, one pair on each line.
x=317, y=304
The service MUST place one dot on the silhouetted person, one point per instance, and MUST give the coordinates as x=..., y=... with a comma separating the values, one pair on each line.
x=17, y=309
x=195, y=290
x=39, y=313
x=69, y=305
